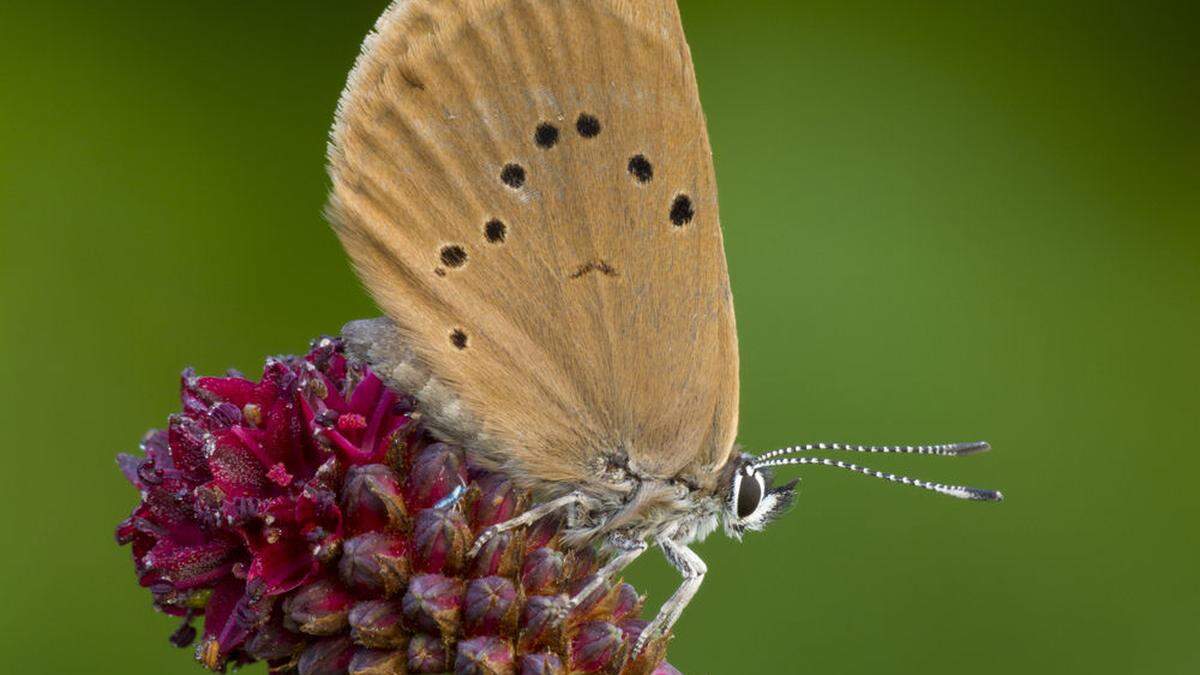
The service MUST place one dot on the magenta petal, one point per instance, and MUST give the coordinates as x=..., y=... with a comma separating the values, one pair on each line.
x=366, y=394
x=236, y=471
x=221, y=604
x=382, y=409
x=129, y=466
x=219, y=620
x=163, y=508
x=234, y=390
x=282, y=431
x=185, y=567
x=188, y=440
x=156, y=447
x=326, y=355
x=283, y=566
x=318, y=509
x=349, y=452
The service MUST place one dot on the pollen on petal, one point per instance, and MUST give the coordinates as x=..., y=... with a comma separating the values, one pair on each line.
x=279, y=475
x=351, y=422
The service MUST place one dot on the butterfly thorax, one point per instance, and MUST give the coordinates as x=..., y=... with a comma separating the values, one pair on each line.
x=645, y=508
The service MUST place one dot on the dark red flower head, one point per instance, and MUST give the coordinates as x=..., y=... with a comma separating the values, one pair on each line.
x=316, y=526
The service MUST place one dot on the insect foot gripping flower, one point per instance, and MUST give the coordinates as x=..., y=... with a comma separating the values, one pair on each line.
x=315, y=526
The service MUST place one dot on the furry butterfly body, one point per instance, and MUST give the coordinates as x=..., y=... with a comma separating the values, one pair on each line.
x=526, y=188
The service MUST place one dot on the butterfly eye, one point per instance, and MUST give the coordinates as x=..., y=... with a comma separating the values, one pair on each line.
x=750, y=493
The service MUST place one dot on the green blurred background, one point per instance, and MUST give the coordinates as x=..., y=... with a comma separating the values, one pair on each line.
x=943, y=223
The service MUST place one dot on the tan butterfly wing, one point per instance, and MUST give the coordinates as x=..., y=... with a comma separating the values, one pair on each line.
x=555, y=306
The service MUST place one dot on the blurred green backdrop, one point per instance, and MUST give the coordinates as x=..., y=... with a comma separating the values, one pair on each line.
x=942, y=223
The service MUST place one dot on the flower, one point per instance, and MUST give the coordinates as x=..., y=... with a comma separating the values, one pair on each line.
x=315, y=525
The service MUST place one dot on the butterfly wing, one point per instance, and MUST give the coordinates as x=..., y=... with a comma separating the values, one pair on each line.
x=526, y=188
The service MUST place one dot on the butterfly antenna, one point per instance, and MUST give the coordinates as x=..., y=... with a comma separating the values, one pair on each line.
x=944, y=449
x=957, y=491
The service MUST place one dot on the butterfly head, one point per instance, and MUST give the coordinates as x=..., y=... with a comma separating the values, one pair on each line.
x=751, y=501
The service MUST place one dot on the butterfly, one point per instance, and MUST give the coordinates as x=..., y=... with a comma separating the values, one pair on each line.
x=526, y=188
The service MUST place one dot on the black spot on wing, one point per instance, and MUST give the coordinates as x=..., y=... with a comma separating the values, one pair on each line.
x=453, y=256
x=513, y=175
x=682, y=211
x=588, y=125
x=545, y=136
x=641, y=169
x=495, y=231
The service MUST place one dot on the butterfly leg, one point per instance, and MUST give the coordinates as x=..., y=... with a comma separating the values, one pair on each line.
x=570, y=501
x=627, y=551
x=693, y=570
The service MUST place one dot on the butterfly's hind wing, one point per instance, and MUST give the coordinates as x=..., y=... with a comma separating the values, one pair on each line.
x=526, y=188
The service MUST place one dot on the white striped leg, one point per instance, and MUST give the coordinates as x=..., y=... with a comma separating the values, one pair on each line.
x=944, y=449
x=540, y=511
x=627, y=549
x=959, y=491
x=693, y=570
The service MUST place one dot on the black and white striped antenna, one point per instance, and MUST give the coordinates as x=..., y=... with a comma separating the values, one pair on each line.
x=780, y=458
x=944, y=449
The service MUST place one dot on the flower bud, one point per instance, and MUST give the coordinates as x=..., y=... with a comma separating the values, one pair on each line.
x=581, y=564
x=330, y=656
x=597, y=644
x=546, y=663
x=273, y=642
x=372, y=500
x=542, y=621
x=374, y=563
x=543, y=571
x=591, y=603
x=379, y=662
x=497, y=502
x=377, y=624
x=490, y=607
x=484, y=656
x=434, y=474
x=440, y=541
x=652, y=653
x=632, y=628
x=545, y=532
x=626, y=602
x=320, y=608
x=499, y=556
x=433, y=603
x=427, y=654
